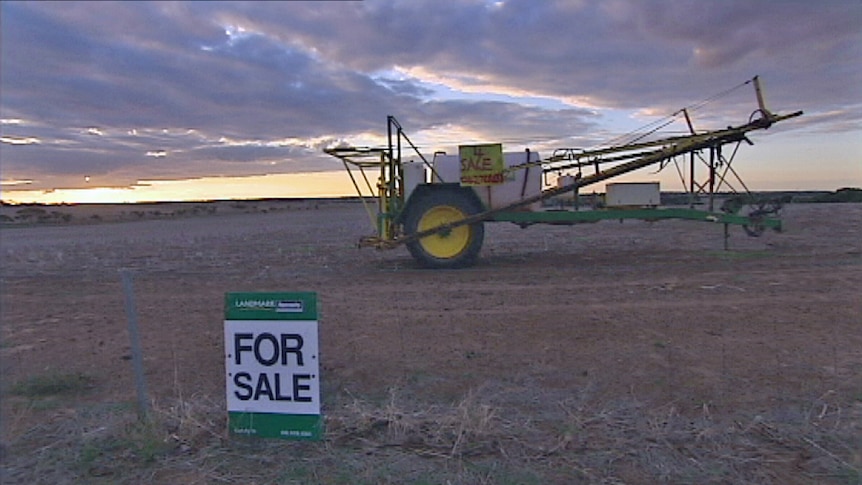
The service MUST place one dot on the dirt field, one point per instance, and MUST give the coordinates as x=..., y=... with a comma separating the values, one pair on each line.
x=602, y=353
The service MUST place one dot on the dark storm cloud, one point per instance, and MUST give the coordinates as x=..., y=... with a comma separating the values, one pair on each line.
x=65, y=69
x=248, y=85
x=619, y=53
x=214, y=85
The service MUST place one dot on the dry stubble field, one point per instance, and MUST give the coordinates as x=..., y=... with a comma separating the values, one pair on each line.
x=601, y=353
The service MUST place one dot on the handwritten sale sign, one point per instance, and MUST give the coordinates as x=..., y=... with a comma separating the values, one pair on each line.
x=482, y=164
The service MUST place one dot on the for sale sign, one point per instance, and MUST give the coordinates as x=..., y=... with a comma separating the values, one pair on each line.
x=271, y=363
x=482, y=164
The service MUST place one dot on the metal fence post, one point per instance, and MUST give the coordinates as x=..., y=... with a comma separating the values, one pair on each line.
x=137, y=355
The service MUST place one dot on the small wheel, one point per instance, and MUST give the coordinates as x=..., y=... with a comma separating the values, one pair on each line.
x=754, y=230
x=453, y=248
x=756, y=212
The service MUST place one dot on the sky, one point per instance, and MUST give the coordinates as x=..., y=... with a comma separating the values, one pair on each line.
x=134, y=101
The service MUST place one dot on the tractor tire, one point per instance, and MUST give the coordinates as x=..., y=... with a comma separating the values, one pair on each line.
x=456, y=248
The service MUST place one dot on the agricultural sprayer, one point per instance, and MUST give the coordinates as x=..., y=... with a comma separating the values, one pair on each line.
x=438, y=207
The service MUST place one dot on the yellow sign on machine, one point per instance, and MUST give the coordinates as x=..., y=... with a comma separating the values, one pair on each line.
x=482, y=164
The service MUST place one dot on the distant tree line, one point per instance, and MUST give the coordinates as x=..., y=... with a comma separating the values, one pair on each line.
x=846, y=194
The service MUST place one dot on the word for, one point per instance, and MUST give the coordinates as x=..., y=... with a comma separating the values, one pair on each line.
x=268, y=349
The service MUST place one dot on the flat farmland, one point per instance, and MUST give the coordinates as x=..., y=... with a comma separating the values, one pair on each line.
x=636, y=352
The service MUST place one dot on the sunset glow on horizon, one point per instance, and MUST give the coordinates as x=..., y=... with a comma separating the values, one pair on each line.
x=300, y=185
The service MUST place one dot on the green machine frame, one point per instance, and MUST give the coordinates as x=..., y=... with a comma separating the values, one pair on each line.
x=605, y=163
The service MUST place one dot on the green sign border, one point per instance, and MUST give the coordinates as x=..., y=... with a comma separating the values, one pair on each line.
x=264, y=306
x=270, y=425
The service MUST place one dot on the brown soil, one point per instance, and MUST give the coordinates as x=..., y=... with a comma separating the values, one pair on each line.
x=601, y=353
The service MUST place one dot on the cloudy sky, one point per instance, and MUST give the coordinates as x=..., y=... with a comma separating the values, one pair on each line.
x=129, y=94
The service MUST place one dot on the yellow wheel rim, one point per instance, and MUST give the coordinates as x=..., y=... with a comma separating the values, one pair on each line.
x=446, y=244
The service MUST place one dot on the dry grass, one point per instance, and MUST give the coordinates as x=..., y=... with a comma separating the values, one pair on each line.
x=492, y=435
x=52, y=384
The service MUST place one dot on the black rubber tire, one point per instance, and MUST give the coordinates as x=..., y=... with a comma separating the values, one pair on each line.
x=445, y=199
